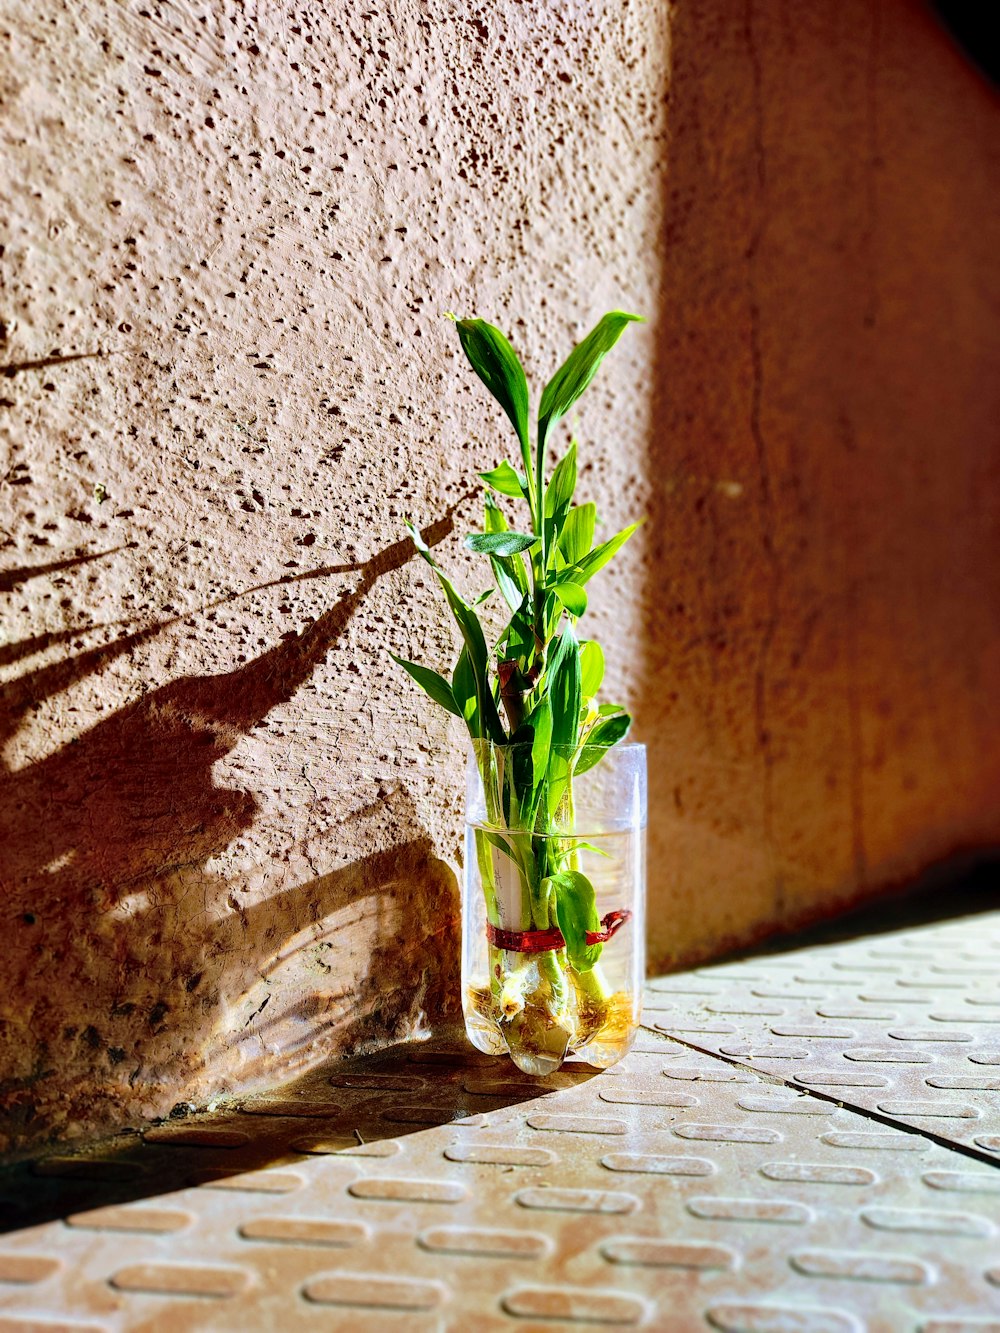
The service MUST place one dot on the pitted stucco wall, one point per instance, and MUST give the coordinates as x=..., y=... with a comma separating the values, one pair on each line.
x=824, y=659
x=230, y=828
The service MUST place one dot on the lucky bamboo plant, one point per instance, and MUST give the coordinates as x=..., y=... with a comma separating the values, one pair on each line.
x=532, y=708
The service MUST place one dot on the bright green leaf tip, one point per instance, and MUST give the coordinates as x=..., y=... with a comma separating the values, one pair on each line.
x=418, y=541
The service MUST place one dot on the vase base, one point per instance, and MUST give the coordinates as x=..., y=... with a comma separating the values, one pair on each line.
x=536, y=1043
x=539, y=1066
x=604, y=1054
x=484, y=1035
x=539, y=1042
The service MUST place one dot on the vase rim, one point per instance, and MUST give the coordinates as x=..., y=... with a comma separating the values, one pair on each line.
x=627, y=751
x=517, y=745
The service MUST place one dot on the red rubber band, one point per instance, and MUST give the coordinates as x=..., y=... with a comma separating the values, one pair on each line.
x=525, y=941
x=612, y=923
x=541, y=941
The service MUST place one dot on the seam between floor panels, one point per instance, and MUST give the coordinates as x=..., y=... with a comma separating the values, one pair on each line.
x=878, y=1117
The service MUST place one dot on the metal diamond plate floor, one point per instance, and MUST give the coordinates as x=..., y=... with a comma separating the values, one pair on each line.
x=905, y=1026
x=807, y=1142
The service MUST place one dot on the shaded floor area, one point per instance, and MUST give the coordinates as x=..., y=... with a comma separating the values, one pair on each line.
x=805, y=1141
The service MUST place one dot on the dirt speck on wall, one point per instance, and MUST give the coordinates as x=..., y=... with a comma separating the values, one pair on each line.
x=230, y=828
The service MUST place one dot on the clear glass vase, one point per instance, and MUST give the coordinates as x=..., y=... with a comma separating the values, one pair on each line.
x=553, y=909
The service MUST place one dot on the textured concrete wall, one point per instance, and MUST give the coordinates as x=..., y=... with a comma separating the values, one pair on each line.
x=230, y=827
x=230, y=830
x=824, y=644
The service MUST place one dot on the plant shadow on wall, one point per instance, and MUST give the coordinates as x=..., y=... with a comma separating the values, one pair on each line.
x=128, y=960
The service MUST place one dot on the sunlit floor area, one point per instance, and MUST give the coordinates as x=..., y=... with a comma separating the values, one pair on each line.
x=805, y=1141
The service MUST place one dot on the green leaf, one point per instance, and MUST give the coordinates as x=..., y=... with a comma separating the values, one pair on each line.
x=563, y=688
x=507, y=570
x=433, y=684
x=576, y=912
x=500, y=543
x=541, y=720
x=551, y=611
x=505, y=481
x=610, y=731
x=419, y=542
x=572, y=596
x=568, y=848
x=579, y=368
x=509, y=590
x=560, y=489
x=501, y=844
x=494, y=519
x=478, y=601
x=521, y=769
x=475, y=642
x=558, y=497
x=518, y=639
x=463, y=684
x=587, y=567
x=591, y=668
x=600, y=739
x=495, y=362
x=577, y=534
